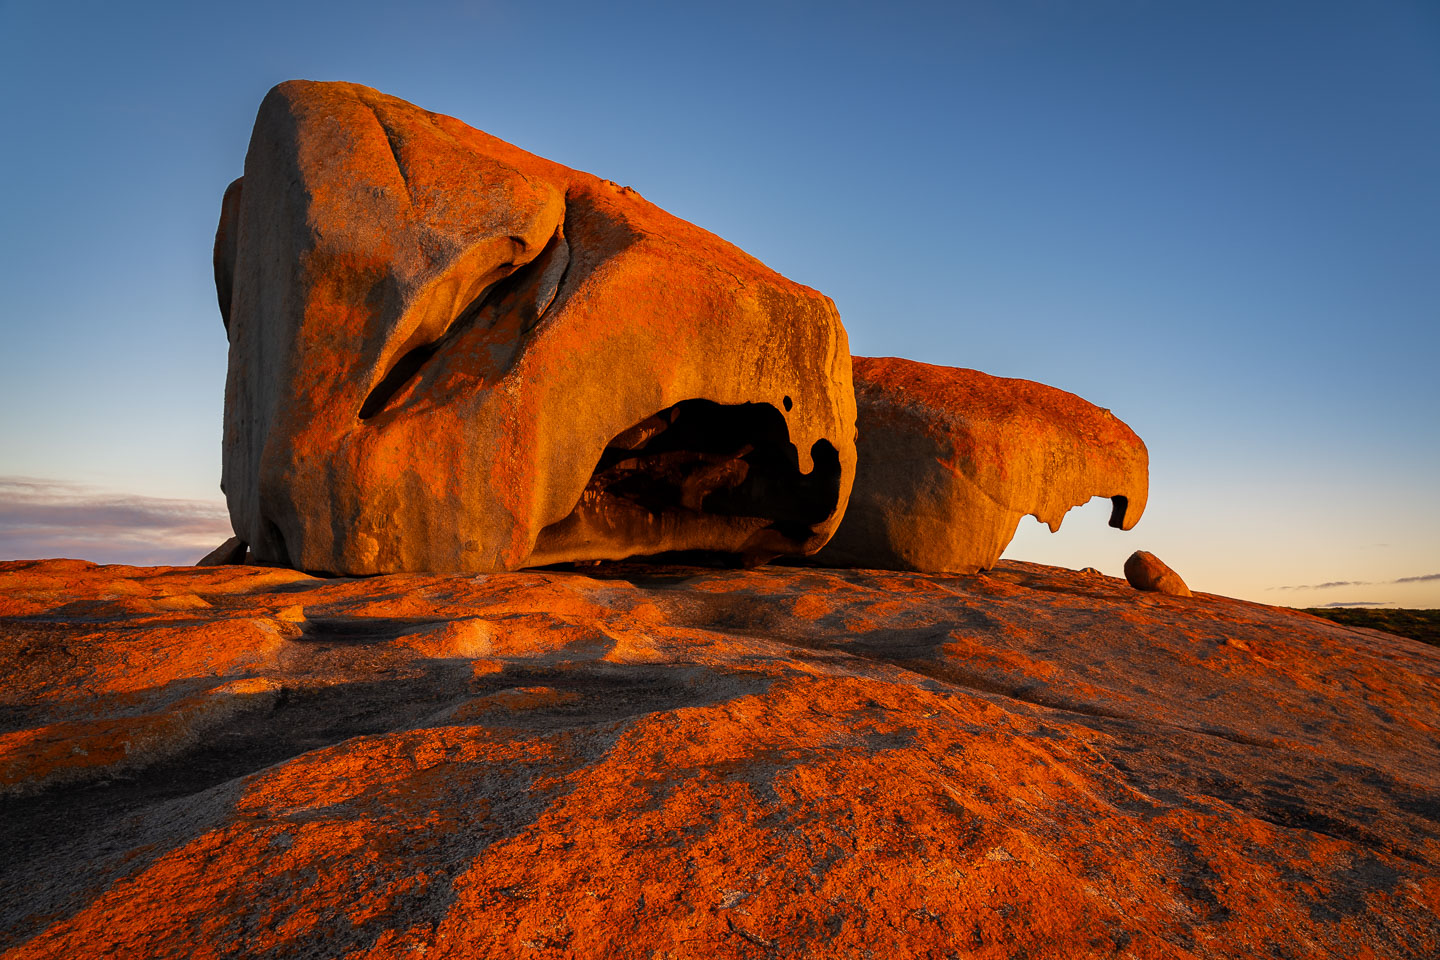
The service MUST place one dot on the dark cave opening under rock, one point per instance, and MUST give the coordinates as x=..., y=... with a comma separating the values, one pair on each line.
x=699, y=476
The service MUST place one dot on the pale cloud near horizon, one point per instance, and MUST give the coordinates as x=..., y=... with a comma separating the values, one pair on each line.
x=1425, y=578
x=42, y=518
x=1327, y=586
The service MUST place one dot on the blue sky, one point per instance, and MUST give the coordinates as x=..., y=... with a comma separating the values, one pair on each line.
x=1221, y=220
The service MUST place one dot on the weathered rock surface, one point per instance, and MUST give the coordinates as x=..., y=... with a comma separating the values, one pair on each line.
x=246, y=761
x=950, y=460
x=1145, y=571
x=449, y=354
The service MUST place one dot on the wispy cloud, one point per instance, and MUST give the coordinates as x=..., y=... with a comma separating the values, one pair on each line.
x=1358, y=583
x=42, y=518
x=1327, y=586
x=1356, y=603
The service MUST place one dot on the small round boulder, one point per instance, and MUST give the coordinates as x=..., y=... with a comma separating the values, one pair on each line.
x=1145, y=571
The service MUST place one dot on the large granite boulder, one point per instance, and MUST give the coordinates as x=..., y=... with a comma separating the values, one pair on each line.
x=449, y=354
x=1147, y=572
x=952, y=459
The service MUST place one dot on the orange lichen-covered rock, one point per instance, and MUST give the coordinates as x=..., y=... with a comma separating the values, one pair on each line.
x=951, y=459
x=669, y=761
x=449, y=354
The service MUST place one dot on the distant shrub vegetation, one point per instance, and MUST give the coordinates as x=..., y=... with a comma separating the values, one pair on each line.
x=1422, y=625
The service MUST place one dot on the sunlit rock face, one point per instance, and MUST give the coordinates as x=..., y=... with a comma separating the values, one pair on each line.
x=952, y=459
x=449, y=354
x=1038, y=764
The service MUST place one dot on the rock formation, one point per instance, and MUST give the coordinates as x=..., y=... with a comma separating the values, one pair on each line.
x=232, y=551
x=449, y=354
x=950, y=460
x=648, y=762
x=1145, y=571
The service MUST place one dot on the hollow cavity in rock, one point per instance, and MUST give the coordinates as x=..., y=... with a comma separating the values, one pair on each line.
x=689, y=478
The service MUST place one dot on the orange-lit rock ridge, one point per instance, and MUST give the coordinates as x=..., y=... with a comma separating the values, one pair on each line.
x=676, y=762
x=446, y=353
x=950, y=460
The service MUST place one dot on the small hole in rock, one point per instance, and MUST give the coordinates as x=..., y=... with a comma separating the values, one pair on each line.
x=788, y=404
